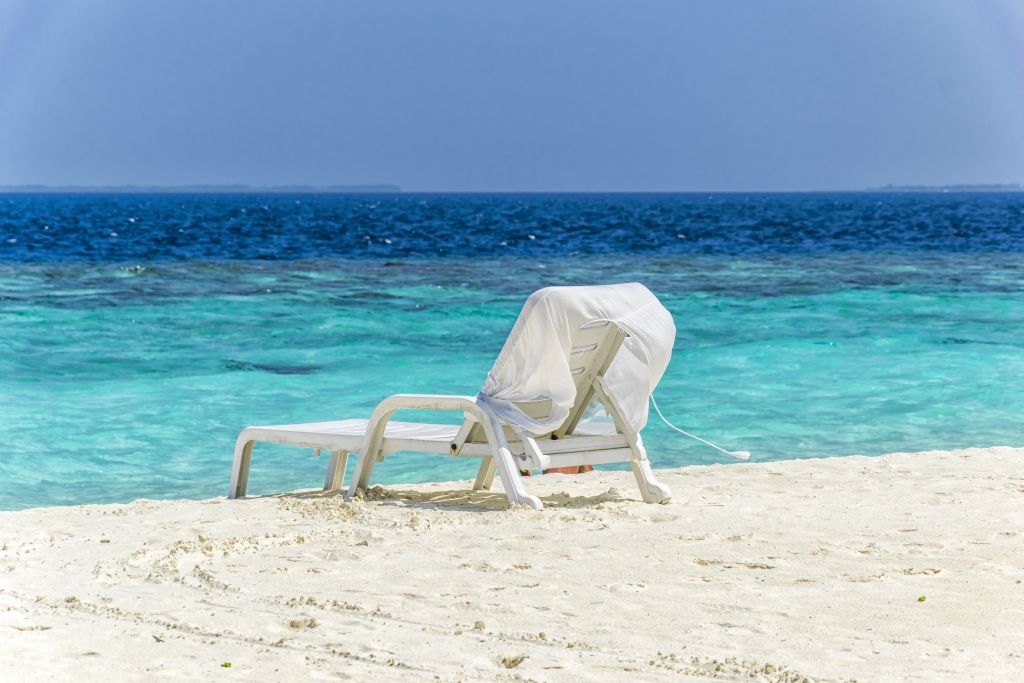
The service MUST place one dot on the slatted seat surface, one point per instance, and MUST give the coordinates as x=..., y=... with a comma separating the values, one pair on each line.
x=347, y=435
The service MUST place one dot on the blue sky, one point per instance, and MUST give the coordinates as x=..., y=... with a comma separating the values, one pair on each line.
x=637, y=95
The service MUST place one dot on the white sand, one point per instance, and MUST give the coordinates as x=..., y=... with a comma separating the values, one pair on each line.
x=782, y=571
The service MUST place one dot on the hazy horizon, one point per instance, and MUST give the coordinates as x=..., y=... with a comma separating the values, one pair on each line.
x=385, y=188
x=526, y=97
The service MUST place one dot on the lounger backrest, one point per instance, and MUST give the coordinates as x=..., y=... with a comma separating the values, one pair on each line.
x=594, y=346
x=564, y=339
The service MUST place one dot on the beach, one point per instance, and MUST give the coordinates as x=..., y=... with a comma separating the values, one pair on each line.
x=769, y=258
x=900, y=567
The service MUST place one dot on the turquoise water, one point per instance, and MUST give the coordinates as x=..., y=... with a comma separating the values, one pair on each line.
x=121, y=380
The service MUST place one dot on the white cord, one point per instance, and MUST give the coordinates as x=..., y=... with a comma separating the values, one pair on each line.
x=742, y=455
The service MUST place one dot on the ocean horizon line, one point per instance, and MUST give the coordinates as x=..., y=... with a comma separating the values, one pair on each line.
x=387, y=188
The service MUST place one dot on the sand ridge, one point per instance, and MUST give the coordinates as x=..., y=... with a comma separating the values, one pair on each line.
x=782, y=571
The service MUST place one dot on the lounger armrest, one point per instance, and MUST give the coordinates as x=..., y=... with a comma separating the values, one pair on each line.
x=467, y=404
x=429, y=402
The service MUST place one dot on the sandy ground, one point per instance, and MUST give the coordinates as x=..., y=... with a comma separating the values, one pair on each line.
x=904, y=567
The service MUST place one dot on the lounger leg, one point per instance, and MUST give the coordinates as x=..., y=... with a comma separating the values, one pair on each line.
x=336, y=470
x=361, y=475
x=485, y=475
x=651, y=490
x=512, y=481
x=240, y=469
x=372, y=445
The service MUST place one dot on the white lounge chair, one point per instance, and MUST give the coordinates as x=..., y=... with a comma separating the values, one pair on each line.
x=570, y=387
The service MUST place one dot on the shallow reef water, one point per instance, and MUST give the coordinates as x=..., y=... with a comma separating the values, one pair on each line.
x=139, y=333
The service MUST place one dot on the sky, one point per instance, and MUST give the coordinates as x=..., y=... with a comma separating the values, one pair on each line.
x=638, y=95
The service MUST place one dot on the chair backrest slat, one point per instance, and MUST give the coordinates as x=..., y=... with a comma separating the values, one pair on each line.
x=597, y=360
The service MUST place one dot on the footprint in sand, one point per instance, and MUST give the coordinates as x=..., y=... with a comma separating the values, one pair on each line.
x=477, y=566
x=756, y=565
x=302, y=623
x=626, y=587
x=663, y=518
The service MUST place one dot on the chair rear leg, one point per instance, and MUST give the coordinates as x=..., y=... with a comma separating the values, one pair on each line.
x=485, y=475
x=651, y=490
x=240, y=468
x=336, y=470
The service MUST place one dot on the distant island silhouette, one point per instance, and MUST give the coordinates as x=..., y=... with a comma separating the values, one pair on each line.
x=202, y=189
x=987, y=187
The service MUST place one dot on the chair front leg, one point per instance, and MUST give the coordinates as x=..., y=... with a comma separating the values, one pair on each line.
x=240, y=467
x=361, y=475
x=485, y=475
x=336, y=470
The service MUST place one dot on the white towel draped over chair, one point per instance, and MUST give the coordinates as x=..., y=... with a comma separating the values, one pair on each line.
x=569, y=387
x=546, y=355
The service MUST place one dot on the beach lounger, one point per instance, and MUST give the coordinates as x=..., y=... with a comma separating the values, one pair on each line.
x=570, y=387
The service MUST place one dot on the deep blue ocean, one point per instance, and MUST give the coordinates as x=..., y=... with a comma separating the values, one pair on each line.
x=140, y=333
